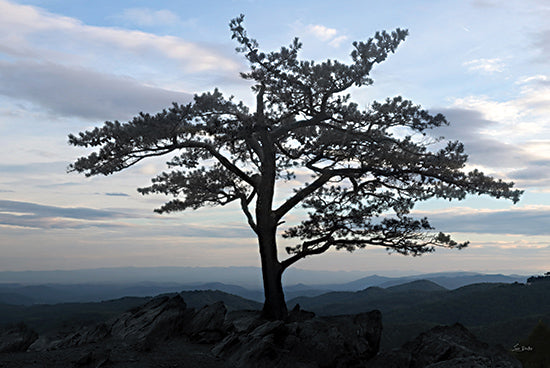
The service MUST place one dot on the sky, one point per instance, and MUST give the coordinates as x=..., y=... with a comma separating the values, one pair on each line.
x=69, y=65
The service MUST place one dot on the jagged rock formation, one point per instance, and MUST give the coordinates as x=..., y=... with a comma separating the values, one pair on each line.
x=446, y=347
x=239, y=338
x=304, y=341
x=142, y=327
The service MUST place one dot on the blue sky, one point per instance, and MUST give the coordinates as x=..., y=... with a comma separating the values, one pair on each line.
x=67, y=65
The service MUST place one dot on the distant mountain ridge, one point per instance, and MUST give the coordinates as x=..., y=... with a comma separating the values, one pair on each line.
x=449, y=280
x=35, y=287
x=247, y=277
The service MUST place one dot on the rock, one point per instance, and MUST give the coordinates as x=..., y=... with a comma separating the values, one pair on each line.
x=85, y=336
x=16, y=338
x=242, y=321
x=298, y=315
x=207, y=325
x=341, y=341
x=444, y=347
x=160, y=318
x=144, y=326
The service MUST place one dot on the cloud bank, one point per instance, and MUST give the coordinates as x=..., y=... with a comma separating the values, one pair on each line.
x=74, y=69
x=70, y=91
x=529, y=220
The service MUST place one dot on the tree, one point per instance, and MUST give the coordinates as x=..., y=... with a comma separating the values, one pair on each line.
x=368, y=167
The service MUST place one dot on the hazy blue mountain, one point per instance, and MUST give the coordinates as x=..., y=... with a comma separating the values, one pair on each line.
x=454, y=280
x=416, y=285
x=359, y=284
x=449, y=280
x=293, y=291
x=15, y=299
x=248, y=277
x=50, y=287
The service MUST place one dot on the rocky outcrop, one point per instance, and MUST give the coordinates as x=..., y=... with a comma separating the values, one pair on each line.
x=160, y=319
x=445, y=347
x=16, y=338
x=157, y=320
x=303, y=341
x=207, y=325
x=241, y=338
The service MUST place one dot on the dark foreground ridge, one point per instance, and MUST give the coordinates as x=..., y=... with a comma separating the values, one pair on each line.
x=164, y=332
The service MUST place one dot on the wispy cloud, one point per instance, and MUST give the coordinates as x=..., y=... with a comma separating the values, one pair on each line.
x=20, y=26
x=484, y=3
x=148, y=17
x=32, y=215
x=38, y=216
x=485, y=66
x=528, y=220
x=54, y=211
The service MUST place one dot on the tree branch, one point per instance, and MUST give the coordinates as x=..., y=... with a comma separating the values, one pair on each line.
x=300, y=195
x=244, y=205
x=307, y=251
x=221, y=159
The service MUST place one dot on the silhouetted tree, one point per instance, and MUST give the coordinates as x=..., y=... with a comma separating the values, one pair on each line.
x=367, y=167
x=545, y=278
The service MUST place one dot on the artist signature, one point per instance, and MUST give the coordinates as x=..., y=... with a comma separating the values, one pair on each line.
x=521, y=348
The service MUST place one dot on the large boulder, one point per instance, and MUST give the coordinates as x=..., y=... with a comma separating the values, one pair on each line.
x=207, y=324
x=445, y=347
x=16, y=338
x=159, y=319
x=308, y=341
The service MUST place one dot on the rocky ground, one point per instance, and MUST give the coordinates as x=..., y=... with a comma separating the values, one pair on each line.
x=178, y=352
x=165, y=333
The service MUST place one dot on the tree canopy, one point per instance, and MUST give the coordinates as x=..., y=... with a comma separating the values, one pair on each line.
x=368, y=167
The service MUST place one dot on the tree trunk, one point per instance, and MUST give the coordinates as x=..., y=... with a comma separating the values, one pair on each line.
x=266, y=225
x=272, y=272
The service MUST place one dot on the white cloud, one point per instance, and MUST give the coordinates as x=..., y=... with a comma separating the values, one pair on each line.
x=485, y=66
x=509, y=138
x=537, y=79
x=521, y=118
x=330, y=35
x=322, y=32
x=335, y=42
x=27, y=31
